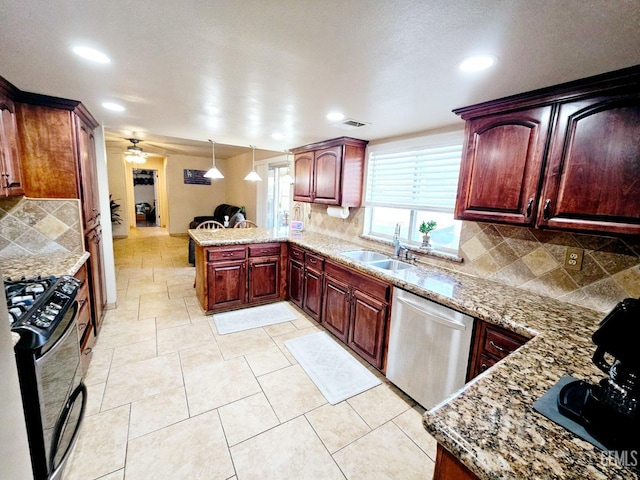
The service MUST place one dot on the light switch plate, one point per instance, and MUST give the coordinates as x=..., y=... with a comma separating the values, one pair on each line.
x=573, y=258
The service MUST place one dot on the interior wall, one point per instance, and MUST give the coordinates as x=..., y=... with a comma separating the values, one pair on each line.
x=116, y=173
x=186, y=200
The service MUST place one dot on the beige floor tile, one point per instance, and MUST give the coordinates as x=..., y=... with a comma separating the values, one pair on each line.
x=291, y=392
x=156, y=412
x=280, y=329
x=117, y=334
x=337, y=425
x=135, y=381
x=99, y=367
x=246, y=347
x=193, y=359
x=124, y=313
x=385, y=454
x=134, y=352
x=410, y=422
x=119, y=475
x=193, y=449
x=216, y=384
x=267, y=361
x=380, y=404
x=183, y=337
x=95, y=392
x=291, y=451
x=172, y=321
x=246, y=418
x=162, y=308
x=101, y=445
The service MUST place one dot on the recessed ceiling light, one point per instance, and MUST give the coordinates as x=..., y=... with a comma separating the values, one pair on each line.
x=91, y=54
x=277, y=135
x=113, y=106
x=335, y=116
x=477, y=63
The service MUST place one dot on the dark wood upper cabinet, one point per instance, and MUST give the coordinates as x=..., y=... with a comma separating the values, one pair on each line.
x=501, y=172
x=330, y=172
x=593, y=176
x=10, y=167
x=564, y=157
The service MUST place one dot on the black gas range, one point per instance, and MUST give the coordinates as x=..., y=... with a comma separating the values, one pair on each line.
x=43, y=312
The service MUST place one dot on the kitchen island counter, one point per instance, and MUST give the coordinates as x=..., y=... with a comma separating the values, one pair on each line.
x=489, y=424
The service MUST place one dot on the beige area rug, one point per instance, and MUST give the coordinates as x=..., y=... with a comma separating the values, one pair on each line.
x=253, y=317
x=336, y=373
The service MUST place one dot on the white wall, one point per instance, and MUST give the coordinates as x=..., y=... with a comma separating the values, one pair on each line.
x=187, y=201
x=145, y=193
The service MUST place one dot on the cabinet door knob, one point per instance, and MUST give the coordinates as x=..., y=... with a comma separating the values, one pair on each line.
x=547, y=208
x=529, y=207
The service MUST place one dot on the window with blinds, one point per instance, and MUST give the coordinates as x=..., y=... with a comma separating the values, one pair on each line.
x=425, y=179
x=410, y=186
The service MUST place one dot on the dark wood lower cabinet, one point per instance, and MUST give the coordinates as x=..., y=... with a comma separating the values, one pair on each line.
x=336, y=313
x=449, y=467
x=368, y=327
x=313, y=293
x=296, y=283
x=235, y=276
x=264, y=279
x=227, y=284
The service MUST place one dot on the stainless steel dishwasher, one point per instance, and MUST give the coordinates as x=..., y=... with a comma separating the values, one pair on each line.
x=429, y=347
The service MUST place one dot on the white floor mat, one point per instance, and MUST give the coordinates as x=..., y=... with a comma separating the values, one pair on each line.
x=253, y=317
x=334, y=371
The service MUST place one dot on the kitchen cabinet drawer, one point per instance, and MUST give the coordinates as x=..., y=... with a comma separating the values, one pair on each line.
x=264, y=250
x=360, y=281
x=314, y=261
x=499, y=343
x=218, y=254
x=296, y=254
x=490, y=345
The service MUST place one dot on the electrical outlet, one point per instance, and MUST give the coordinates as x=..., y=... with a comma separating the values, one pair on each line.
x=573, y=258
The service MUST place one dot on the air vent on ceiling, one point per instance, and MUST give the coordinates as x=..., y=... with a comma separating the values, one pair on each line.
x=350, y=124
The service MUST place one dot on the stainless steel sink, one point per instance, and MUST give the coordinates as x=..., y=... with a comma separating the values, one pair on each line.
x=365, y=255
x=390, y=265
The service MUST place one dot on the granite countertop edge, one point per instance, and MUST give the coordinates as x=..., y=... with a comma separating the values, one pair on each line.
x=489, y=424
x=43, y=264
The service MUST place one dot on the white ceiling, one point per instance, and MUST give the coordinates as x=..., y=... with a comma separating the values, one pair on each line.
x=238, y=71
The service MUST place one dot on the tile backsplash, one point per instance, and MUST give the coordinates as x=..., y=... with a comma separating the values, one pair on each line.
x=33, y=226
x=526, y=258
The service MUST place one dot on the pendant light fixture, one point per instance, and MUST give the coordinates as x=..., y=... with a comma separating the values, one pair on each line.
x=213, y=172
x=253, y=176
x=134, y=153
x=287, y=178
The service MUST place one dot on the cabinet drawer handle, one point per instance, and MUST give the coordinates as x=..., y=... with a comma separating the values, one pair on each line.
x=312, y=260
x=87, y=351
x=529, y=207
x=227, y=254
x=545, y=211
x=499, y=348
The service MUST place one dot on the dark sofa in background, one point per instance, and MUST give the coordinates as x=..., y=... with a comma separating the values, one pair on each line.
x=234, y=213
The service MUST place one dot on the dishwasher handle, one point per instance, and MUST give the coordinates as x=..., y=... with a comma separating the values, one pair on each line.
x=436, y=318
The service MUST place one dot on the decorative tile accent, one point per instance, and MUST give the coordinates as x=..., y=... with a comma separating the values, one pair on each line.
x=37, y=226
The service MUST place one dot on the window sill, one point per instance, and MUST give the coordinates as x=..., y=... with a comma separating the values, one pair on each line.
x=452, y=257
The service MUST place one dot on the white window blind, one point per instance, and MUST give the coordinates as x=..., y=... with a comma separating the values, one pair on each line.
x=424, y=179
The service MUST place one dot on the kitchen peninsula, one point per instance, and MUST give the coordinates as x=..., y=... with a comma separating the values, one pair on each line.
x=489, y=425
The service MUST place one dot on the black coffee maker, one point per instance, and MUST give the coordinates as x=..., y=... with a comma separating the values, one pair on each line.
x=610, y=410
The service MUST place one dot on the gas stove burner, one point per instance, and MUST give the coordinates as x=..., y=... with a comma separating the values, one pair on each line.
x=37, y=305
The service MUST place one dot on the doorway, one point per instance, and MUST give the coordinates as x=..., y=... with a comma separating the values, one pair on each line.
x=145, y=192
x=278, y=195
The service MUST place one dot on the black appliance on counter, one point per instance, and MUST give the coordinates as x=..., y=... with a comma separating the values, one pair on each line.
x=43, y=312
x=610, y=410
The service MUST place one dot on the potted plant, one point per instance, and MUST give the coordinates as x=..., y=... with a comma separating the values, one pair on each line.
x=115, y=216
x=426, y=228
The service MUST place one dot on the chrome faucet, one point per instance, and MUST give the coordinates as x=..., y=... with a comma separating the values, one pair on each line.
x=396, y=242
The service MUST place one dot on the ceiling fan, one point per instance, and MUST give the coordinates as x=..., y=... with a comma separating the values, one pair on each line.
x=134, y=153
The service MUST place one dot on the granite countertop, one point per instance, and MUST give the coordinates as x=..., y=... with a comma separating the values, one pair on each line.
x=45, y=265
x=490, y=424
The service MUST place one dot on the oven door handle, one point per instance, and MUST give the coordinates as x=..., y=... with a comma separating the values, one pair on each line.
x=55, y=470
